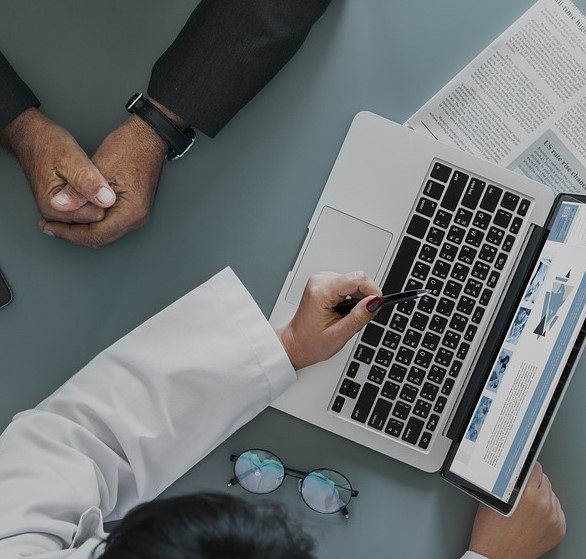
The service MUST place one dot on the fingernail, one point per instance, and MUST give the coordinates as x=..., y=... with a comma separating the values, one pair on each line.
x=48, y=232
x=375, y=304
x=105, y=195
x=62, y=199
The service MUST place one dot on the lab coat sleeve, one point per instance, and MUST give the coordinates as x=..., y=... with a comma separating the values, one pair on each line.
x=137, y=417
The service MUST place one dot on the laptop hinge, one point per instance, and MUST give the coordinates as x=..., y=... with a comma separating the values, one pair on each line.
x=475, y=385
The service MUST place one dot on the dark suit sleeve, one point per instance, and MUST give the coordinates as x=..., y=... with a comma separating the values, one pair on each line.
x=226, y=53
x=15, y=95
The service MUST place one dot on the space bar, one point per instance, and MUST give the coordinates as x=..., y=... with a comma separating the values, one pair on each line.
x=399, y=271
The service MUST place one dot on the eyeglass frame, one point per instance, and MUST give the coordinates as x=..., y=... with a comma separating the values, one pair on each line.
x=297, y=474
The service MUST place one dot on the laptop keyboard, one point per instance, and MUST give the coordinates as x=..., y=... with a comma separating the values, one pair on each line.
x=407, y=360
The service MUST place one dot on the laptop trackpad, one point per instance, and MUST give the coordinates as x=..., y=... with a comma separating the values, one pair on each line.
x=340, y=243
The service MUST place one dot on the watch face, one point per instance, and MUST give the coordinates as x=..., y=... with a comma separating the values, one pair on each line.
x=130, y=103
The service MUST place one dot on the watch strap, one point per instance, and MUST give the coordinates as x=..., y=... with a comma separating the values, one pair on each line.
x=178, y=140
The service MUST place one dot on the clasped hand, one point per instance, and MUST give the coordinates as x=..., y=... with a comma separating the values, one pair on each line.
x=90, y=202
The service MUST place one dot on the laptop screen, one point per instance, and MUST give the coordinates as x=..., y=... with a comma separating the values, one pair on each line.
x=531, y=367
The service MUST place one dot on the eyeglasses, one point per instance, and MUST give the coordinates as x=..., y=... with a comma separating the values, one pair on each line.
x=323, y=490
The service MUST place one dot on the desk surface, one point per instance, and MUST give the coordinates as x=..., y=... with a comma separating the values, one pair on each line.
x=387, y=56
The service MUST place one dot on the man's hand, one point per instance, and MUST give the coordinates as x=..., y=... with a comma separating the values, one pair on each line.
x=130, y=158
x=62, y=177
x=317, y=332
x=537, y=525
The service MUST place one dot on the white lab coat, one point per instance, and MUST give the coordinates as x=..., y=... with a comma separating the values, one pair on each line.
x=135, y=419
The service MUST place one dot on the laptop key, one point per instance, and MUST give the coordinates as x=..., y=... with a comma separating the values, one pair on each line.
x=418, y=226
x=380, y=413
x=503, y=218
x=442, y=219
x=491, y=198
x=510, y=201
x=434, y=189
x=394, y=428
x=413, y=430
x=399, y=271
x=349, y=388
x=377, y=374
x=440, y=172
x=338, y=404
x=401, y=410
x=426, y=207
x=416, y=375
x=523, y=207
x=422, y=408
x=365, y=402
x=352, y=369
x=425, y=440
x=364, y=354
x=390, y=390
x=473, y=193
x=454, y=191
x=372, y=334
x=432, y=422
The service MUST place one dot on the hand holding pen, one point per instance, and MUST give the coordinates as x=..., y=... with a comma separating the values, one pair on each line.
x=376, y=303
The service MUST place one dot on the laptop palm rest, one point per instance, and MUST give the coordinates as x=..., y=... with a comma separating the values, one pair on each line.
x=339, y=243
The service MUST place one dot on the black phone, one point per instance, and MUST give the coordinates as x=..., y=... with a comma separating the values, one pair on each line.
x=5, y=292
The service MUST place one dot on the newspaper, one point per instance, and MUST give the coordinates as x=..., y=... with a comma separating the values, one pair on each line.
x=521, y=103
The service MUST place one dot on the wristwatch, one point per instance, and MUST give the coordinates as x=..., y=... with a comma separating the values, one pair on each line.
x=179, y=141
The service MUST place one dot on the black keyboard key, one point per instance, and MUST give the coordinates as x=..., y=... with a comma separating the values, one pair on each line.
x=412, y=285
x=474, y=237
x=425, y=440
x=428, y=253
x=420, y=271
x=352, y=369
x=397, y=372
x=467, y=254
x=460, y=272
x=487, y=253
x=523, y=207
x=405, y=355
x=480, y=270
x=384, y=357
x=429, y=391
x=383, y=315
x=473, y=288
x=412, y=338
x=448, y=252
x=444, y=357
x=508, y=243
x=463, y=217
x=377, y=374
x=372, y=334
x=423, y=358
x=338, y=404
x=401, y=410
x=477, y=315
x=485, y=297
x=418, y=226
x=364, y=354
x=510, y=201
x=453, y=289
x=430, y=341
x=398, y=322
x=419, y=321
x=416, y=376
x=482, y=220
x=440, y=172
x=491, y=198
x=412, y=430
x=349, y=388
x=458, y=322
x=470, y=333
x=500, y=261
x=447, y=387
x=426, y=304
x=408, y=393
x=380, y=413
x=440, y=404
x=426, y=207
x=463, y=351
x=435, y=236
x=454, y=191
x=466, y=305
x=456, y=234
x=445, y=306
x=432, y=422
x=455, y=368
x=442, y=219
x=516, y=225
x=436, y=374
x=390, y=390
x=441, y=269
x=394, y=428
x=365, y=402
x=401, y=265
x=433, y=189
x=438, y=324
x=451, y=339
x=473, y=193
x=495, y=236
x=422, y=408
x=503, y=218
x=391, y=340
x=492, y=279
x=435, y=286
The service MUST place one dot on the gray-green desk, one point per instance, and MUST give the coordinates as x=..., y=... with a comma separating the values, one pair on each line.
x=243, y=199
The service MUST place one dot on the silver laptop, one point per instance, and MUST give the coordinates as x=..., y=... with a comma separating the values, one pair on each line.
x=466, y=379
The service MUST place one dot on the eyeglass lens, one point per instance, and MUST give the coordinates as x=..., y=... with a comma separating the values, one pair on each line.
x=323, y=490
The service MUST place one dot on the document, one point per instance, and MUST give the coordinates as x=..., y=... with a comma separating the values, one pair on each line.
x=521, y=103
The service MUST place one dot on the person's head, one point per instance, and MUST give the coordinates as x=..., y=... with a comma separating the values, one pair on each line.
x=207, y=526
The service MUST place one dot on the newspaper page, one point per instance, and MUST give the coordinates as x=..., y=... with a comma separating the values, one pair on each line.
x=530, y=361
x=521, y=103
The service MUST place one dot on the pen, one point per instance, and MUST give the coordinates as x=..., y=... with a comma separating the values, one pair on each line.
x=345, y=307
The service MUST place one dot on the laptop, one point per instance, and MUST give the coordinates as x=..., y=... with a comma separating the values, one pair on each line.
x=466, y=379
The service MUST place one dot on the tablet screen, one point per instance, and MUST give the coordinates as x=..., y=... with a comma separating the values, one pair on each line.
x=527, y=376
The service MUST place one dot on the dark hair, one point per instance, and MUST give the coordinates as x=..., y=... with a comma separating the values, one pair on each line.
x=207, y=526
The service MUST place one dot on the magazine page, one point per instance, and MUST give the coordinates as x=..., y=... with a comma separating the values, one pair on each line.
x=521, y=103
